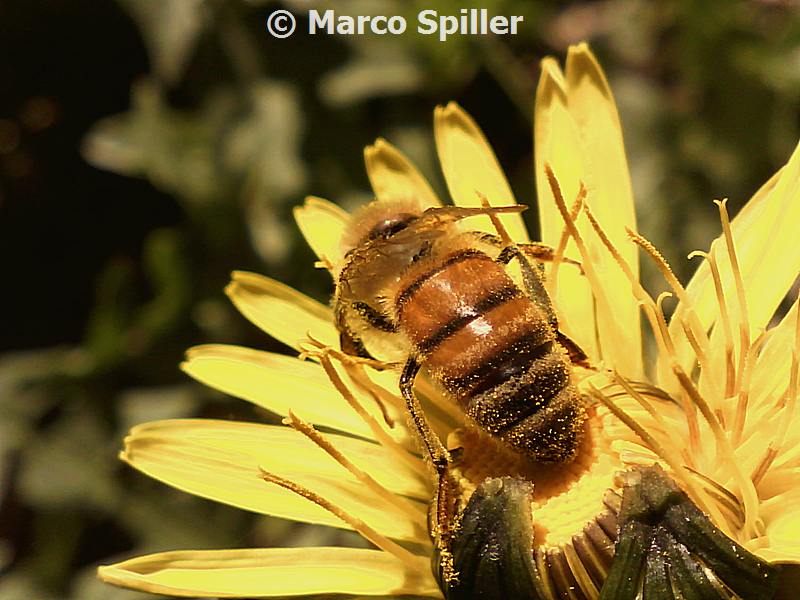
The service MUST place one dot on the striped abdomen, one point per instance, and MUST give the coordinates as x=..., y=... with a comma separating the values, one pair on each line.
x=493, y=349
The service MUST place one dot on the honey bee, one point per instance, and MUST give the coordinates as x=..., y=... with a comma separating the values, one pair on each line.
x=491, y=344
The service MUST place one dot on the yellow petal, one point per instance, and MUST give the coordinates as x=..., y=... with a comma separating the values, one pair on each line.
x=281, y=383
x=272, y=572
x=783, y=529
x=555, y=142
x=281, y=449
x=282, y=312
x=592, y=107
x=470, y=167
x=226, y=468
x=771, y=374
x=577, y=131
x=610, y=197
x=769, y=260
x=392, y=175
x=322, y=223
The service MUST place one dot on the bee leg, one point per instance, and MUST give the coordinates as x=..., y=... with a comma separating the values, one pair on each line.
x=575, y=353
x=351, y=343
x=441, y=461
x=537, y=251
x=531, y=280
x=535, y=290
x=436, y=451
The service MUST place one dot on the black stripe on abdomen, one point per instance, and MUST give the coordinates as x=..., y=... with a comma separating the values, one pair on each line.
x=511, y=361
x=494, y=299
x=500, y=407
x=375, y=318
x=411, y=289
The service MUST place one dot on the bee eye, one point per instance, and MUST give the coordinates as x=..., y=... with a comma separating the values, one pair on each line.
x=388, y=227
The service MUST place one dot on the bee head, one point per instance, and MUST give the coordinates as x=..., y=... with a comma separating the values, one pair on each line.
x=380, y=220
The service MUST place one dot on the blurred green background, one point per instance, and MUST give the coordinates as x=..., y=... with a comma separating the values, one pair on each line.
x=149, y=147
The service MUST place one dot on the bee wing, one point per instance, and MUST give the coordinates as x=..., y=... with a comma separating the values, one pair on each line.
x=400, y=249
x=373, y=261
x=438, y=215
x=386, y=256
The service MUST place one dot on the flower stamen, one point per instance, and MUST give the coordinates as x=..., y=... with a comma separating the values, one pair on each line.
x=638, y=291
x=725, y=451
x=380, y=396
x=655, y=317
x=636, y=395
x=668, y=456
x=380, y=434
x=318, y=348
x=558, y=255
x=357, y=524
x=724, y=497
x=354, y=367
x=673, y=451
x=588, y=267
x=744, y=389
x=689, y=409
x=686, y=304
x=744, y=320
x=705, y=365
x=308, y=430
x=730, y=368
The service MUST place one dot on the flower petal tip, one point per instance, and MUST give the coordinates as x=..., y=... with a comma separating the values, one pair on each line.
x=454, y=115
x=551, y=83
x=378, y=145
x=550, y=67
x=392, y=175
x=582, y=63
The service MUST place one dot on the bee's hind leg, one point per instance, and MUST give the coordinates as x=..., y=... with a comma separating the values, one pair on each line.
x=436, y=452
x=536, y=251
x=442, y=513
x=534, y=286
x=532, y=281
x=536, y=291
x=530, y=278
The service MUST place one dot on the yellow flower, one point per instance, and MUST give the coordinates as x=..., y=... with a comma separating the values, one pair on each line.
x=727, y=436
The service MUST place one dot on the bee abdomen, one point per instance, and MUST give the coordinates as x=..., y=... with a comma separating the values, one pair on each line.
x=445, y=297
x=529, y=402
x=552, y=433
x=494, y=298
x=463, y=312
x=494, y=350
x=500, y=404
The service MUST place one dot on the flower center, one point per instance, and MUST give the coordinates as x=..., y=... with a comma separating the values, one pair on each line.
x=566, y=496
